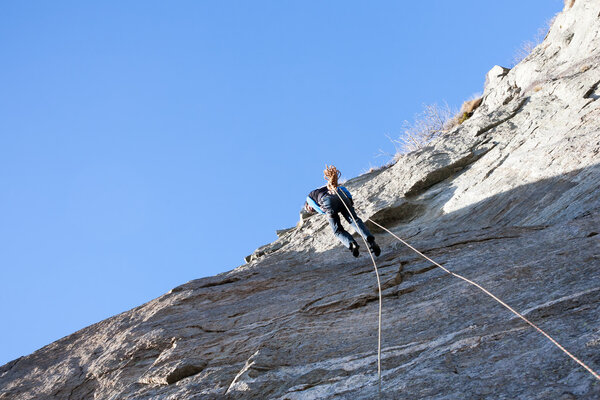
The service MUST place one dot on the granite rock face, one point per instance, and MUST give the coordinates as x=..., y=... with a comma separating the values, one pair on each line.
x=509, y=199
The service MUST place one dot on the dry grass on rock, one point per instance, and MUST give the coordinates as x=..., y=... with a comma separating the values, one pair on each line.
x=433, y=121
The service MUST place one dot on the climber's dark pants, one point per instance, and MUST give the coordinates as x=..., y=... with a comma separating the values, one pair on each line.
x=332, y=205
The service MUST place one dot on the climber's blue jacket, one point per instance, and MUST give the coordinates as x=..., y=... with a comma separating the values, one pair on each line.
x=314, y=198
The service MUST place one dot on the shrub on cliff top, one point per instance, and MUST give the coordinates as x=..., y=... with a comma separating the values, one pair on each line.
x=433, y=121
x=427, y=125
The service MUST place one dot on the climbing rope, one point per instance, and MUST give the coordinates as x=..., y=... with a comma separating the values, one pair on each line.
x=591, y=371
x=378, y=287
x=332, y=175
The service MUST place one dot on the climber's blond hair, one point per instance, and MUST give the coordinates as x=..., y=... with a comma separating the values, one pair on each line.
x=332, y=175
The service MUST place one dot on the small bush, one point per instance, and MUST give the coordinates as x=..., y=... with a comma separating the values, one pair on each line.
x=431, y=122
x=466, y=110
x=525, y=50
x=527, y=46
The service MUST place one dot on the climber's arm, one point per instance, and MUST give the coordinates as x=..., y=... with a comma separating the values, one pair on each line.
x=313, y=204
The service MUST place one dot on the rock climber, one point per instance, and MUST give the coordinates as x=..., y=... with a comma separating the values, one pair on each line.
x=328, y=200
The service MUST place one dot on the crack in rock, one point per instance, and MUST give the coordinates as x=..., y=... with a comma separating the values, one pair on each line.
x=440, y=174
x=183, y=371
x=500, y=121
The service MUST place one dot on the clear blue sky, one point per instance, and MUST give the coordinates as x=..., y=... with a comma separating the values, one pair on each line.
x=147, y=143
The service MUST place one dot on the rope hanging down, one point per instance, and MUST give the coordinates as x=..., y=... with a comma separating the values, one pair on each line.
x=332, y=175
x=591, y=371
x=378, y=287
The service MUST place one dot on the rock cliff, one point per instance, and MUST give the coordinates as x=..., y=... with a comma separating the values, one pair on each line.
x=509, y=199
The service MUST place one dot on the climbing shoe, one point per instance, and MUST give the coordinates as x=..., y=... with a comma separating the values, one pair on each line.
x=354, y=248
x=373, y=246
